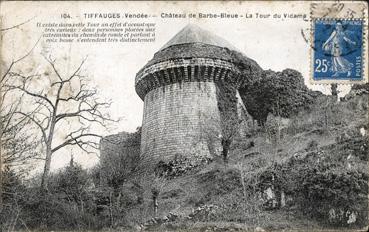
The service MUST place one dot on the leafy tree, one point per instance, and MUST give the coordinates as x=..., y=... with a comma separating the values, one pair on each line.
x=250, y=71
x=279, y=93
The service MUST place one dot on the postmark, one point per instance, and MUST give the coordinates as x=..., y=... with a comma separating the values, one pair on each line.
x=338, y=43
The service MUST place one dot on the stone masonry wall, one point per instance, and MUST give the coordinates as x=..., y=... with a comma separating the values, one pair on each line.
x=180, y=119
x=123, y=146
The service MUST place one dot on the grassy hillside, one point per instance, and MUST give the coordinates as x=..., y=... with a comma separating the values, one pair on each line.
x=307, y=172
x=319, y=162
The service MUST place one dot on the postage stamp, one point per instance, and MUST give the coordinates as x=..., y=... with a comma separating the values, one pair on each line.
x=338, y=43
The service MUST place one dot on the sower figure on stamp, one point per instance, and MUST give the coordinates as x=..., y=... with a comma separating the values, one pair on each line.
x=335, y=46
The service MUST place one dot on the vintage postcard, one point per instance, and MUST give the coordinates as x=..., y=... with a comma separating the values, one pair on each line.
x=184, y=116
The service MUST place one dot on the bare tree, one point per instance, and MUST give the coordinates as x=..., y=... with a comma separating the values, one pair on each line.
x=64, y=101
x=230, y=120
x=230, y=129
x=219, y=129
x=249, y=176
x=158, y=184
x=16, y=147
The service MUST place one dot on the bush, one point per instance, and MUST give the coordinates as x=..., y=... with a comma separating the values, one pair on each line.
x=55, y=212
x=67, y=205
x=336, y=190
x=312, y=145
x=319, y=188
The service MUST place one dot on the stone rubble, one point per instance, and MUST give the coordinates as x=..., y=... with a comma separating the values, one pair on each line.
x=178, y=167
x=202, y=212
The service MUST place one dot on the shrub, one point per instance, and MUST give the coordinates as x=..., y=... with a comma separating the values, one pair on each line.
x=317, y=188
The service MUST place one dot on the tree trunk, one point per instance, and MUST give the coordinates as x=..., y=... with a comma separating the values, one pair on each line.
x=326, y=116
x=283, y=199
x=1, y=183
x=225, y=155
x=1, y=175
x=278, y=124
x=1, y=153
x=155, y=199
x=326, y=120
x=279, y=131
x=225, y=145
x=155, y=195
x=111, y=210
x=45, y=175
x=243, y=183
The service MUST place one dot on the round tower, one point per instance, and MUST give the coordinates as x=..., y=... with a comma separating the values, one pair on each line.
x=179, y=89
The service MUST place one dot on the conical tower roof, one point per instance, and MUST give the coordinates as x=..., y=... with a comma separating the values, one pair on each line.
x=195, y=34
x=193, y=41
x=190, y=47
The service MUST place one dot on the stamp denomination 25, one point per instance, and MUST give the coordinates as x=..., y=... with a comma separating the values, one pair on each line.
x=339, y=46
x=338, y=50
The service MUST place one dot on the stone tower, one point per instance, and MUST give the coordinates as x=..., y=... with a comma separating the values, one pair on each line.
x=180, y=94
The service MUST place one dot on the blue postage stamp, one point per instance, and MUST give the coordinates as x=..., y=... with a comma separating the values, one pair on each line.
x=337, y=50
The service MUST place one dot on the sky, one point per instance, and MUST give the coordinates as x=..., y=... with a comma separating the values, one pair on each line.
x=274, y=44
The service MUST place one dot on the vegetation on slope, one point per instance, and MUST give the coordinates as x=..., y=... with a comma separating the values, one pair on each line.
x=313, y=177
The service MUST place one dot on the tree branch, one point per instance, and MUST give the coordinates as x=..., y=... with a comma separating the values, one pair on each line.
x=75, y=140
x=23, y=89
x=37, y=123
x=17, y=25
